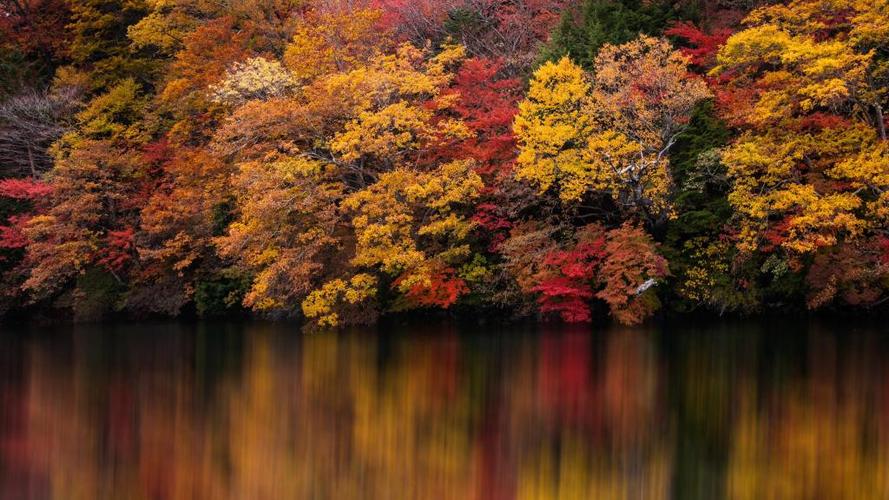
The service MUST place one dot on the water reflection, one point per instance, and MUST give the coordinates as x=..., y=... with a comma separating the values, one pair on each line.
x=260, y=412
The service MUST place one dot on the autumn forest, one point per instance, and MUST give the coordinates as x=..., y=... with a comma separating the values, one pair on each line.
x=339, y=160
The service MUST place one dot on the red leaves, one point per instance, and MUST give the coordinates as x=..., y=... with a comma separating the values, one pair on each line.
x=444, y=289
x=619, y=266
x=776, y=235
x=702, y=53
x=487, y=105
x=11, y=235
x=487, y=216
x=119, y=249
x=158, y=152
x=24, y=189
x=569, y=276
x=34, y=26
x=490, y=220
x=155, y=158
x=581, y=261
x=704, y=46
x=734, y=103
x=566, y=297
x=821, y=121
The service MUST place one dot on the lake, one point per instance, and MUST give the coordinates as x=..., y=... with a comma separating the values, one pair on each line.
x=261, y=411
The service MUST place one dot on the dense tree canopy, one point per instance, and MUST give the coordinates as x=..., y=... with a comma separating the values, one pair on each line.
x=337, y=160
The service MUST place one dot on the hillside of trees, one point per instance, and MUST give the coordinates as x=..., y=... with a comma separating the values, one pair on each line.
x=337, y=160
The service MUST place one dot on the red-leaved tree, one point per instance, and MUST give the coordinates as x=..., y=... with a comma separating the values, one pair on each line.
x=30, y=194
x=619, y=266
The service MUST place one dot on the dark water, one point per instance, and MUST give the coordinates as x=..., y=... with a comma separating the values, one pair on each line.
x=260, y=411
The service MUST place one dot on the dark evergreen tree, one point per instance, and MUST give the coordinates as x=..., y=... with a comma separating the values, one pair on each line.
x=700, y=200
x=581, y=33
x=700, y=179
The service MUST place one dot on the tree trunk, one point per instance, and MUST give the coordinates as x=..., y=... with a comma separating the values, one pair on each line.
x=31, y=162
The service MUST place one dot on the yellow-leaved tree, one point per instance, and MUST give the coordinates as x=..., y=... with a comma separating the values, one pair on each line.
x=340, y=185
x=805, y=84
x=408, y=228
x=609, y=132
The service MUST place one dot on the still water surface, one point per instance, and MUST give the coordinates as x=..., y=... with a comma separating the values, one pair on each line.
x=260, y=411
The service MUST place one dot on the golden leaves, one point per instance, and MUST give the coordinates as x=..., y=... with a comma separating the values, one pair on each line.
x=286, y=222
x=402, y=206
x=256, y=79
x=610, y=134
x=551, y=124
x=809, y=172
x=320, y=305
x=333, y=42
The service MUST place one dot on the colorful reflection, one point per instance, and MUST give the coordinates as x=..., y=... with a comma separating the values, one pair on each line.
x=258, y=412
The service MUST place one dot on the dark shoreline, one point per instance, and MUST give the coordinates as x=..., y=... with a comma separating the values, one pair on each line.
x=698, y=319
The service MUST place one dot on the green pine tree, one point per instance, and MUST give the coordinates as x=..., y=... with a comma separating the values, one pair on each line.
x=611, y=21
